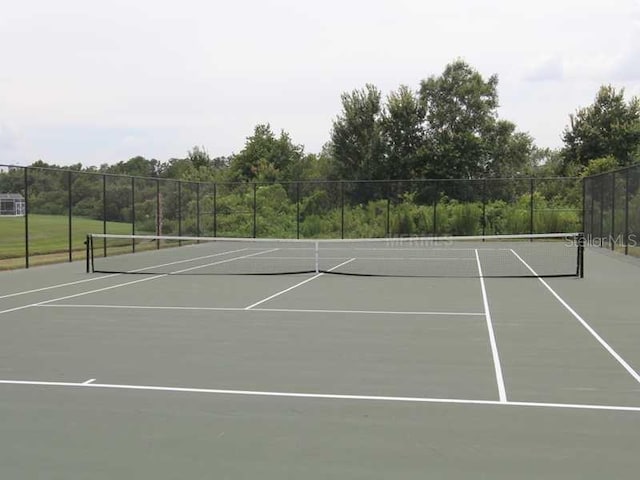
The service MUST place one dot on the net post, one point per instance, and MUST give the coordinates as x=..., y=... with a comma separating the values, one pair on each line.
x=86, y=248
x=317, y=256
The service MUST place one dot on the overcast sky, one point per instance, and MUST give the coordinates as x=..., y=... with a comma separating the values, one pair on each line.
x=99, y=82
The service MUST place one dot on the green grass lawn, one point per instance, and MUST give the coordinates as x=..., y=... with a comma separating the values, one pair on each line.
x=49, y=234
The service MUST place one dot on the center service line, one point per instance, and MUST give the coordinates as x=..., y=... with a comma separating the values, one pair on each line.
x=295, y=286
x=147, y=279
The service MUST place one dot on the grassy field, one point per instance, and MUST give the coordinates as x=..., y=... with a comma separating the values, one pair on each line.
x=48, y=237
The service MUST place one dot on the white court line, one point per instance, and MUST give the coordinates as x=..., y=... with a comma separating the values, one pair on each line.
x=147, y=279
x=321, y=396
x=575, y=314
x=89, y=382
x=60, y=285
x=502, y=393
x=395, y=259
x=278, y=310
x=295, y=286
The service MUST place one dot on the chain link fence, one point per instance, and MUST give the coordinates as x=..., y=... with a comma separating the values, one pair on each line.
x=612, y=210
x=62, y=206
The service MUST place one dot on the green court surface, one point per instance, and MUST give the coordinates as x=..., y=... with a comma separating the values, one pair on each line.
x=320, y=376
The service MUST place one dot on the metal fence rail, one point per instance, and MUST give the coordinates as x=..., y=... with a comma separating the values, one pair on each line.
x=62, y=206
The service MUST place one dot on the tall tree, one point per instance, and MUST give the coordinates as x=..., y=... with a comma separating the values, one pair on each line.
x=136, y=166
x=508, y=153
x=608, y=127
x=266, y=157
x=461, y=112
x=402, y=130
x=199, y=157
x=356, y=142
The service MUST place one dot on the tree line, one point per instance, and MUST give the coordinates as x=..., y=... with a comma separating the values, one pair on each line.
x=446, y=128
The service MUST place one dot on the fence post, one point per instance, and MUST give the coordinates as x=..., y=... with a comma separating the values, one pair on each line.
x=591, y=227
x=584, y=206
x=26, y=217
x=198, y=209
x=388, y=223
x=215, y=209
x=298, y=210
x=626, y=212
x=341, y=208
x=158, y=214
x=436, y=197
x=104, y=213
x=69, y=197
x=255, y=215
x=601, y=210
x=179, y=211
x=531, y=190
x=484, y=207
x=613, y=211
x=133, y=212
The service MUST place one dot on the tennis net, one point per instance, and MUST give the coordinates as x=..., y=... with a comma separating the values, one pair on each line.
x=550, y=255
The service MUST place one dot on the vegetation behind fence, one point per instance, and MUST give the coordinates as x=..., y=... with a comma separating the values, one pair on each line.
x=62, y=206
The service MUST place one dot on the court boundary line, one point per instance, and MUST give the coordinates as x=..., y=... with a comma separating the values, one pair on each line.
x=111, y=287
x=276, y=310
x=111, y=275
x=502, y=392
x=584, y=323
x=59, y=285
x=277, y=294
x=320, y=396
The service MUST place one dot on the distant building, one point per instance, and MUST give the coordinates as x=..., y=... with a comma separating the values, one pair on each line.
x=12, y=204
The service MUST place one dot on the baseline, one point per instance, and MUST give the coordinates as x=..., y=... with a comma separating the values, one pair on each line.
x=327, y=396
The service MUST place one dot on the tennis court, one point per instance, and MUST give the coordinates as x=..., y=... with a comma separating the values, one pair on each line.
x=457, y=373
